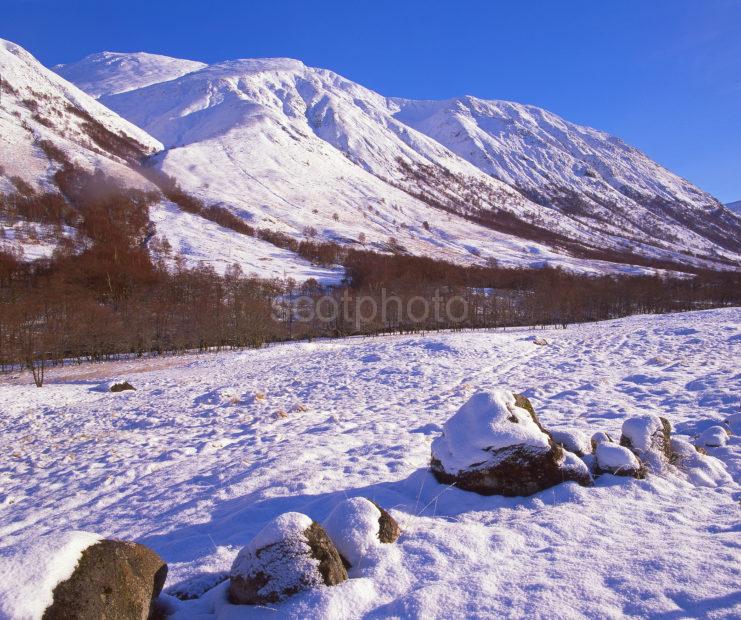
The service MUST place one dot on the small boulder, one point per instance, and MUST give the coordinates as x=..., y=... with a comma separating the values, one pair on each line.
x=598, y=438
x=573, y=440
x=112, y=579
x=648, y=437
x=541, y=342
x=713, y=437
x=618, y=460
x=290, y=554
x=495, y=445
x=121, y=386
x=358, y=526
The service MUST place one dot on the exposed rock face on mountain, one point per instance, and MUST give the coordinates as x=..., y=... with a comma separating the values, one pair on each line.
x=288, y=145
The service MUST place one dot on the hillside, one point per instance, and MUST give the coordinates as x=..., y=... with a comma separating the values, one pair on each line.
x=735, y=207
x=52, y=134
x=290, y=146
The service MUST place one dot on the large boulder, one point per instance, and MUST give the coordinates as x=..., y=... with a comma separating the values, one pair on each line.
x=495, y=445
x=649, y=438
x=112, y=579
x=290, y=554
x=358, y=526
x=618, y=460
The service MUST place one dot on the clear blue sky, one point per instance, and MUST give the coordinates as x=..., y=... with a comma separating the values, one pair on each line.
x=665, y=75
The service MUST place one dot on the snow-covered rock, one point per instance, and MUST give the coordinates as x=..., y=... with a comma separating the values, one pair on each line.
x=493, y=445
x=358, y=527
x=648, y=436
x=575, y=441
x=290, y=554
x=713, y=437
x=30, y=572
x=733, y=422
x=700, y=469
x=598, y=438
x=618, y=460
x=112, y=579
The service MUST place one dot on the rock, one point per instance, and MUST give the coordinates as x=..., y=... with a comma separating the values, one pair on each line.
x=648, y=437
x=290, y=554
x=388, y=529
x=358, y=526
x=713, y=437
x=540, y=341
x=573, y=440
x=115, y=385
x=700, y=469
x=113, y=579
x=598, y=438
x=495, y=445
x=617, y=460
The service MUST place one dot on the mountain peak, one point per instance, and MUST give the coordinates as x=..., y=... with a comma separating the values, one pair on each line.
x=110, y=73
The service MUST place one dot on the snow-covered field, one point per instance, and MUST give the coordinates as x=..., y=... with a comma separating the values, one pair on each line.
x=198, y=459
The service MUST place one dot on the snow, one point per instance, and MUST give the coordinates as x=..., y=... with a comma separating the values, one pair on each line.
x=353, y=527
x=487, y=422
x=701, y=470
x=201, y=241
x=615, y=458
x=640, y=430
x=194, y=476
x=29, y=572
x=734, y=423
x=288, y=146
x=735, y=207
x=110, y=73
x=713, y=437
x=284, y=527
x=572, y=440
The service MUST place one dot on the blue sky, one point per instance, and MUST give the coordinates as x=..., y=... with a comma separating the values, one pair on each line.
x=664, y=75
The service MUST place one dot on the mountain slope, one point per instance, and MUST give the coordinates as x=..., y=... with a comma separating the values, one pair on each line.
x=109, y=73
x=40, y=109
x=49, y=127
x=290, y=146
x=576, y=169
x=735, y=207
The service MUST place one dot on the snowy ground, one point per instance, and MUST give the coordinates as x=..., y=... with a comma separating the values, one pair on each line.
x=196, y=461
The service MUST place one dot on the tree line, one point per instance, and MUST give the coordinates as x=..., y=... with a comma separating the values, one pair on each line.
x=111, y=291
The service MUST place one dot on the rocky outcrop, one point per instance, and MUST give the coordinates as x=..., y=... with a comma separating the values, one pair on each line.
x=112, y=579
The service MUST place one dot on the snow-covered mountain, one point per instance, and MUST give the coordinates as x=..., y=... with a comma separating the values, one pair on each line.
x=735, y=207
x=309, y=153
x=41, y=110
x=109, y=73
x=45, y=122
x=289, y=146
